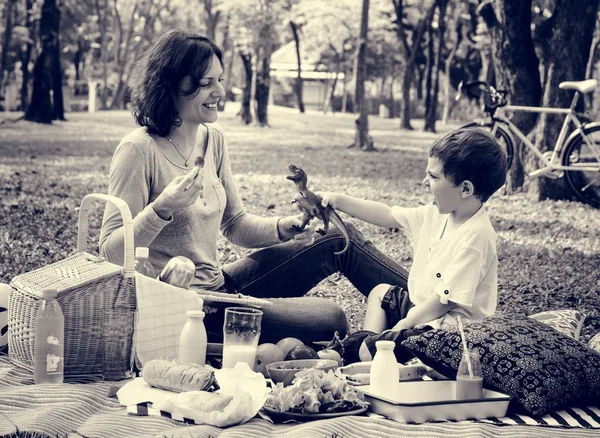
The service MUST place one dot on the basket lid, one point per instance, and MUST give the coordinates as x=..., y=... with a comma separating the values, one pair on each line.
x=73, y=272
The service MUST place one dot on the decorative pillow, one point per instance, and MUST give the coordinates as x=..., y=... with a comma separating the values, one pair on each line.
x=540, y=368
x=594, y=343
x=566, y=321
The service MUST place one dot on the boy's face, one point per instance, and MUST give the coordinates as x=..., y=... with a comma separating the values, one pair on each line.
x=446, y=196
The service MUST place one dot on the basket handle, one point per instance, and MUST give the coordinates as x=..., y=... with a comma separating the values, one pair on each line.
x=83, y=227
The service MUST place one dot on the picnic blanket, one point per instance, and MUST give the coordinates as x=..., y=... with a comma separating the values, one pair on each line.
x=84, y=409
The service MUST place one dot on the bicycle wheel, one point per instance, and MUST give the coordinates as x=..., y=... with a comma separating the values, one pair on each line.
x=584, y=184
x=502, y=136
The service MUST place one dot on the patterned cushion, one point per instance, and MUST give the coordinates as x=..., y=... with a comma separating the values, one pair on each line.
x=594, y=343
x=539, y=367
x=568, y=322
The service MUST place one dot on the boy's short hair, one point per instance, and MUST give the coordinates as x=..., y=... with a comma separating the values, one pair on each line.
x=472, y=154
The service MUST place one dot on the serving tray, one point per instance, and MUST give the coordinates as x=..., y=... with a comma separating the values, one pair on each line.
x=421, y=401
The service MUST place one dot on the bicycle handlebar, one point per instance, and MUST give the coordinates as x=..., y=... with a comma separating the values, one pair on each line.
x=492, y=98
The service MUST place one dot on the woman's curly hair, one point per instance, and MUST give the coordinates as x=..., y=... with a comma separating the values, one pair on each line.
x=157, y=77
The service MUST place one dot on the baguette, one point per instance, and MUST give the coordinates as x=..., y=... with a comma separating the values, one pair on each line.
x=176, y=377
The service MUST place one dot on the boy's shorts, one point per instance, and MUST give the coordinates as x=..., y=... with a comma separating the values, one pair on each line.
x=396, y=304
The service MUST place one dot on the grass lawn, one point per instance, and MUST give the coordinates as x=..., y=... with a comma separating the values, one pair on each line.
x=549, y=252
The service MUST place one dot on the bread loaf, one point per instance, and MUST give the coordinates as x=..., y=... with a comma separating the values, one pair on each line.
x=176, y=377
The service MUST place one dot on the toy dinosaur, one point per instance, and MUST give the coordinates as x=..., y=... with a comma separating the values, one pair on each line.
x=310, y=205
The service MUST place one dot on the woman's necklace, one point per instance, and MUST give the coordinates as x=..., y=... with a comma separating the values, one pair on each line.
x=177, y=149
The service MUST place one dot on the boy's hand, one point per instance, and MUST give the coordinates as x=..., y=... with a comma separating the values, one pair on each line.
x=328, y=199
x=401, y=325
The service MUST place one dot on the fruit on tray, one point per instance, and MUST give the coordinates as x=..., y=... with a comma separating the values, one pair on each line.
x=301, y=352
x=329, y=353
x=266, y=354
x=286, y=344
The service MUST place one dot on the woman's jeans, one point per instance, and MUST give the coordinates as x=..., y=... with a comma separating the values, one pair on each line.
x=285, y=272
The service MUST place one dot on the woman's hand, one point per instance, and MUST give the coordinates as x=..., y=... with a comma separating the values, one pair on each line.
x=182, y=192
x=306, y=237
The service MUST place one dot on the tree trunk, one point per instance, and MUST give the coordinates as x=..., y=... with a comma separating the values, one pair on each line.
x=333, y=87
x=391, y=98
x=102, y=12
x=421, y=70
x=228, y=93
x=409, y=72
x=46, y=72
x=516, y=67
x=571, y=40
x=298, y=85
x=589, y=71
x=429, y=79
x=57, y=77
x=26, y=58
x=345, y=90
x=431, y=114
x=447, y=87
x=246, y=113
x=363, y=139
x=226, y=48
x=119, y=95
x=8, y=25
x=263, y=81
x=78, y=59
x=212, y=20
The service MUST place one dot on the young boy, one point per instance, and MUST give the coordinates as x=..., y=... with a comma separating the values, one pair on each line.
x=454, y=270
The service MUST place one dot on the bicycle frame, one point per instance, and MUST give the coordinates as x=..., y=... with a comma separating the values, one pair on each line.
x=552, y=164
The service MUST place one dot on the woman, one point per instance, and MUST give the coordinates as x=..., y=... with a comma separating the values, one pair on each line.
x=179, y=210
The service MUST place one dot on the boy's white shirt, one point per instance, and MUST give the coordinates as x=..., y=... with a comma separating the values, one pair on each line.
x=461, y=266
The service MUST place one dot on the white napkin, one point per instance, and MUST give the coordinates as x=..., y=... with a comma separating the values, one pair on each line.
x=161, y=315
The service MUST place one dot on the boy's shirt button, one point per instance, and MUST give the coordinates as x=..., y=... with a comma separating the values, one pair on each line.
x=446, y=291
x=438, y=275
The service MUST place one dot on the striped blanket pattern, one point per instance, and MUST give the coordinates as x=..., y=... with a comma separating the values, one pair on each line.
x=83, y=409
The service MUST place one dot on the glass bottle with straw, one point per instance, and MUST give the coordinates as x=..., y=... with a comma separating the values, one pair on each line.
x=469, y=379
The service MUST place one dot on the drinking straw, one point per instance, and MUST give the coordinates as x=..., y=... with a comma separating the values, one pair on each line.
x=465, y=349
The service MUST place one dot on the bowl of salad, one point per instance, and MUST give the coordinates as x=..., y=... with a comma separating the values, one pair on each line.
x=315, y=394
x=285, y=371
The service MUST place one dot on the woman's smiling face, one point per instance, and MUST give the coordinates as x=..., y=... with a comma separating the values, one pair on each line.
x=446, y=195
x=201, y=106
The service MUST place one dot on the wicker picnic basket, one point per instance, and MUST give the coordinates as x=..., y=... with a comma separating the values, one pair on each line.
x=97, y=299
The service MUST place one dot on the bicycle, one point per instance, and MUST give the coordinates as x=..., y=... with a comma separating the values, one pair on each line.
x=576, y=157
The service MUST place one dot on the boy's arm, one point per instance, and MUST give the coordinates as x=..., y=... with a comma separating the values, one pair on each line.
x=376, y=213
x=427, y=311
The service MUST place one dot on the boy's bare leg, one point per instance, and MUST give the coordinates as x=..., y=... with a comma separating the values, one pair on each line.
x=375, y=318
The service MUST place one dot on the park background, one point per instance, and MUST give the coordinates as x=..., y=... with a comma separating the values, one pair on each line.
x=354, y=100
